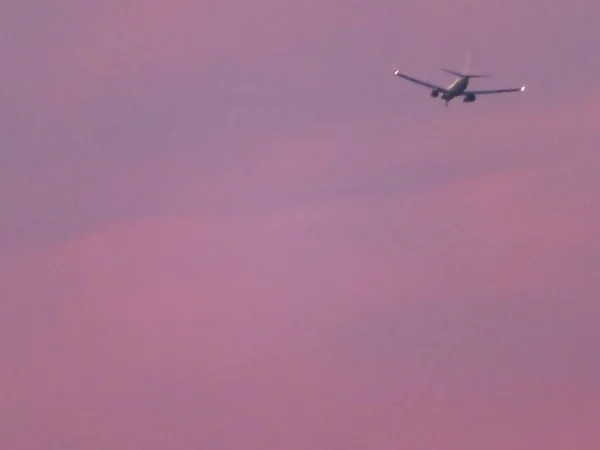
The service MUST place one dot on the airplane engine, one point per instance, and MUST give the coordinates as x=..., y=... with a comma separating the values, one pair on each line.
x=435, y=93
x=469, y=98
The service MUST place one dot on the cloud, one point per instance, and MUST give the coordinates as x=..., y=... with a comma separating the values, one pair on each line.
x=185, y=174
x=311, y=319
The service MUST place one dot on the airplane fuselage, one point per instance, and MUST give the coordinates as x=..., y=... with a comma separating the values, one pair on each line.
x=457, y=88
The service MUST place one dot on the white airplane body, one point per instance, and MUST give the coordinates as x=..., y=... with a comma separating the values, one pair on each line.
x=458, y=88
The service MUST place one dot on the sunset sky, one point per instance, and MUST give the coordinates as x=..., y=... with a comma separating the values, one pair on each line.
x=227, y=226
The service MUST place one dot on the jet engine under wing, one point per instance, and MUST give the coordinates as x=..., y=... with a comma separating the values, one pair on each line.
x=495, y=91
x=422, y=83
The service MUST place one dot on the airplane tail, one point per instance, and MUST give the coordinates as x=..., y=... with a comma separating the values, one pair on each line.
x=466, y=75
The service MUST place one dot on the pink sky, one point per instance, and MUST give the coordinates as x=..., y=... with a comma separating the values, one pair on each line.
x=226, y=225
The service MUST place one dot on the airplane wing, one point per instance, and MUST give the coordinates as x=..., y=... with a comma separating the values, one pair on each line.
x=422, y=83
x=495, y=91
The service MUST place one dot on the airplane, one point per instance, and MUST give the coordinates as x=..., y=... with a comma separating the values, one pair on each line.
x=458, y=88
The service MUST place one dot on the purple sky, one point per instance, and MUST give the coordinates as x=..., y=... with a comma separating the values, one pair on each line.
x=227, y=225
